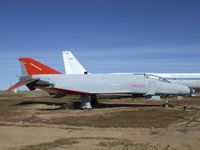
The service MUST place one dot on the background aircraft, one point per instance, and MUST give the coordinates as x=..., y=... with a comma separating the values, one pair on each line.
x=191, y=80
x=37, y=75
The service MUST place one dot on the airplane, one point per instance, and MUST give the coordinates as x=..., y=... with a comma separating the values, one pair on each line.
x=37, y=75
x=191, y=80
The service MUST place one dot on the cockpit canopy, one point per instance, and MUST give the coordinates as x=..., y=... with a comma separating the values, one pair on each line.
x=153, y=77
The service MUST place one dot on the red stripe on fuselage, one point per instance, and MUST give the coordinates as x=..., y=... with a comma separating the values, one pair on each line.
x=137, y=86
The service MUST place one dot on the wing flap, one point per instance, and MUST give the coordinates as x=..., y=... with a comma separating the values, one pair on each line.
x=62, y=91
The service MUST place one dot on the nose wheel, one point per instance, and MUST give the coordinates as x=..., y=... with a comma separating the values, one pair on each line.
x=166, y=105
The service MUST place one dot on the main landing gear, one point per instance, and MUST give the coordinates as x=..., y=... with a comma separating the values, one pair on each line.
x=94, y=101
x=85, y=102
x=88, y=101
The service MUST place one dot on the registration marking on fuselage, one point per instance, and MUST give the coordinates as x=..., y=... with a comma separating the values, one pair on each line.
x=137, y=86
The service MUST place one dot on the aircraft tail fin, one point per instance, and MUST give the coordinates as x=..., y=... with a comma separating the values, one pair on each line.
x=33, y=67
x=72, y=65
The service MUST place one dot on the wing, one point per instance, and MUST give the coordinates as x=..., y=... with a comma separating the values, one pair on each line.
x=53, y=90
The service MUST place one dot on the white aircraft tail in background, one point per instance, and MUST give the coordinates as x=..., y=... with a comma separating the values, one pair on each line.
x=72, y=65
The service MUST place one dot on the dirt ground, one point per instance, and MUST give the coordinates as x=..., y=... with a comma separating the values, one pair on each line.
x=29, y=122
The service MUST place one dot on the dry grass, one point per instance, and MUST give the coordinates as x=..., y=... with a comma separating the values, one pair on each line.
x=128, y=145
x=49, y=145
x=113, y=112
x=145, y=118
x=101, y=142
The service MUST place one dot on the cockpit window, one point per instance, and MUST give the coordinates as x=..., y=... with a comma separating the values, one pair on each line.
x=154, y=77
x=158, y=78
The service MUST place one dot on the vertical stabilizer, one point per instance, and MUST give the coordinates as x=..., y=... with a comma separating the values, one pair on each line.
x=33, y=67
x=72, y=65
x=23, y=69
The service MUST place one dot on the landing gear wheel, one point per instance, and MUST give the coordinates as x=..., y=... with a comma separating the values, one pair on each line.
x=166, y=105
x=94, y=101
x=85, y=102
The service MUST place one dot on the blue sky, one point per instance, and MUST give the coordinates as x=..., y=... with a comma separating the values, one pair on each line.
x=105, y=35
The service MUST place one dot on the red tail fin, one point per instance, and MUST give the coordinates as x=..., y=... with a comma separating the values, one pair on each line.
x=33, y=67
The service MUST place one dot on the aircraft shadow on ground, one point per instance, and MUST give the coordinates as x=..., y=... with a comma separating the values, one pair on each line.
x=103, y=105
x=60, y=105
x=77, y=104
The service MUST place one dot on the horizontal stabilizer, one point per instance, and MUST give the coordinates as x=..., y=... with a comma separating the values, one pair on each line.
x=16, y=86
x=20, y=83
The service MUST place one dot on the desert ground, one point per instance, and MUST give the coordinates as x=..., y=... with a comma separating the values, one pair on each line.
x=36, y=121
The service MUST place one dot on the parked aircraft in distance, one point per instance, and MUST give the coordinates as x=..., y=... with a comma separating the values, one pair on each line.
x=191, y=80
x=37, y=75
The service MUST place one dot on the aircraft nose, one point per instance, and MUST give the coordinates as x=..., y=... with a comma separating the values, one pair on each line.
x=192, y=91
x=187, y=90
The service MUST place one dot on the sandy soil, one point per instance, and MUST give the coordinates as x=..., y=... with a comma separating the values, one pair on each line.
x=34, y=136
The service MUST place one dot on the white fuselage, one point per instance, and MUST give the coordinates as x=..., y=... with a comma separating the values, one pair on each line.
x=114, y=83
